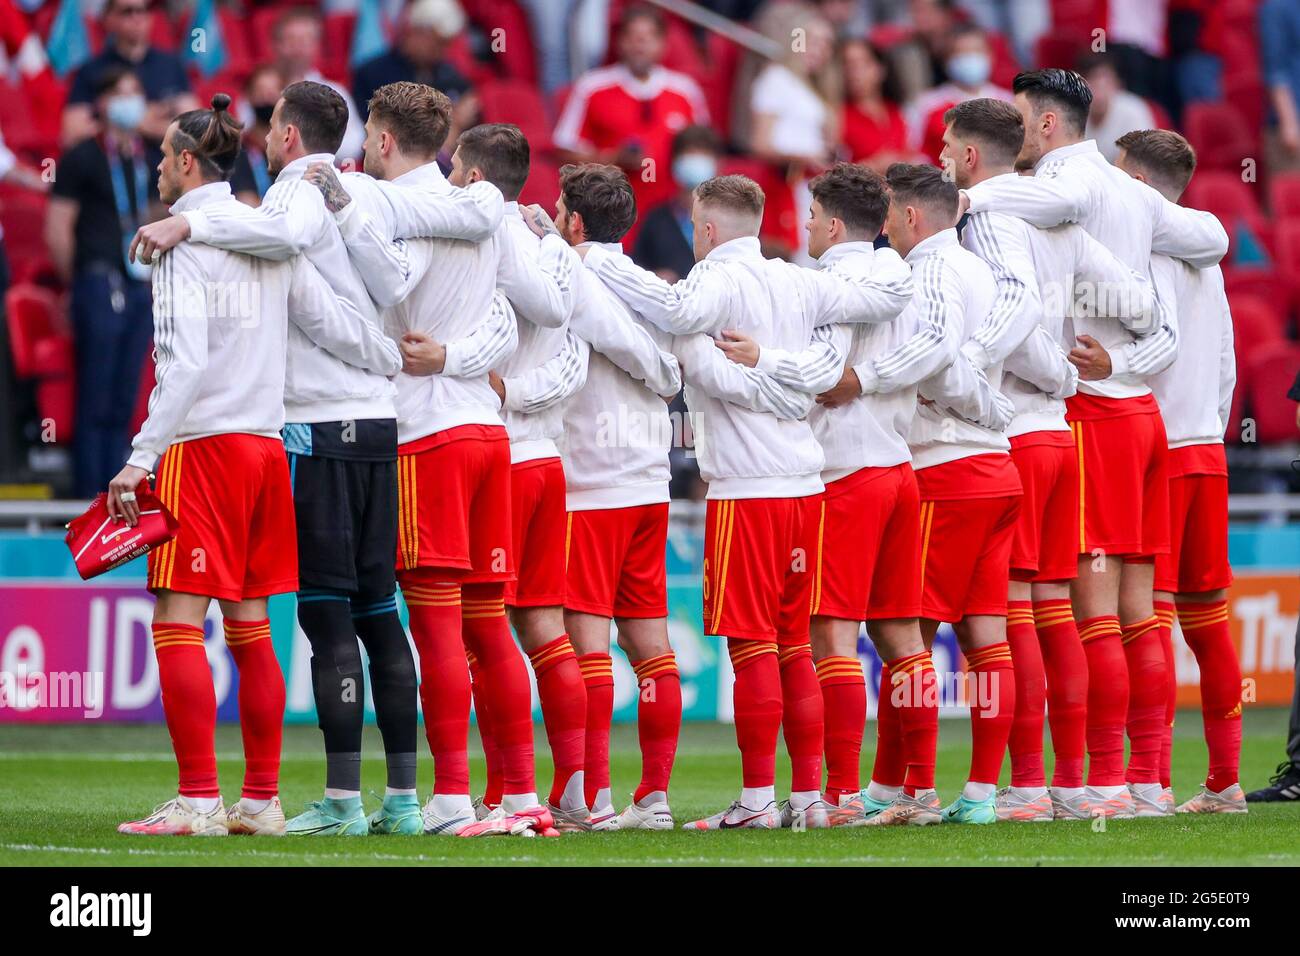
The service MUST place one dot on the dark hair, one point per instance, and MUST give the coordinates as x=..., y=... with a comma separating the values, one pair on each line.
x=257, y=72
x=110, y=77
x=417, y=116
x=699, y=139
x=1090, y=62
x=319, y=113
x=211, y=136
x=922, y=185
x=641, y=11
x=602, y=196
x=500, y=152
x=891, y=85
x=853, y=194
x=1062, y=90
x=995, y=125
x=734, y=193
x=1163, y=155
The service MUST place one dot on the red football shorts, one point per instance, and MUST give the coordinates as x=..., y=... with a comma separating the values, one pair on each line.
x=232, y=497
x=537, y=510
x=1045, y=544
x=869, y=567
x=1198, y=522
x=617, y=561
x=968, y=519
x=453, y=497
x=760, y=558
x=1122, y=452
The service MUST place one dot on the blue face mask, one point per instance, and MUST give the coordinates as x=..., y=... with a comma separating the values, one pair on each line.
x=969, y=69
x=691, y=169
x=127, y=112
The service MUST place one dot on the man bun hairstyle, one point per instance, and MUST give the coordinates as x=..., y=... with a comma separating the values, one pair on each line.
x=996, y=127
x=1064, y=91
x=1163, y=155
x=416, y=115
x=734, y=193
x=500, y=152
x=319, y=114
x=855, y=195
x=602, y=196
x=923, y=185
x=211, y=136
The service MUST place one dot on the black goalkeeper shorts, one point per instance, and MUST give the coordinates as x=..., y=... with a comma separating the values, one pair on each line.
x=347, y=524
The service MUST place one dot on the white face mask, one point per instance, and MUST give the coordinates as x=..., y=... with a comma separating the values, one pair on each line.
x=127, y=112
x=969, y=69
x=691, y=169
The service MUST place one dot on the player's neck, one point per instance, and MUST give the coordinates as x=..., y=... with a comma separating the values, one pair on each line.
x=986, y=172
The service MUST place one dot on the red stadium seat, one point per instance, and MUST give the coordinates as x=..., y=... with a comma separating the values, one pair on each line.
x=513, y=101
x=1058, y=49
x=1271, y=371
x=1284, y=195
x=543, y=185
x=337, y=43
x=23, y=216
x=1220, y=135
x=1233, y=201
x=42, y=349
x=1255, y=322
x=517, y=60
x=1287, y=245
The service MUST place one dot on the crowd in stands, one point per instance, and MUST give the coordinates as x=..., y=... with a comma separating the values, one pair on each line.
x=88, y=87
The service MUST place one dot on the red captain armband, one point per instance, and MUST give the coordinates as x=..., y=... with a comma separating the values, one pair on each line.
x=100, y=544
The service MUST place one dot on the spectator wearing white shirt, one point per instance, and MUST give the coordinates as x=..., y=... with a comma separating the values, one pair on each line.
x=1115, y=111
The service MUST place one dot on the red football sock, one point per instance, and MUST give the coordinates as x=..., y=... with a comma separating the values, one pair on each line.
x=261, y=705
x=434, y=608
x=803, y=717
x=1165, y=614
x=1205, y=628
x=189, y=704
x=598, y=675
x=507, y=695
x=1026, y=744
x=844, y=690
x=563, y=695
x=993, y=708
x=915, y=710
x=890, y=767
x=1065, y=666
x=1107, y=699
x=757, y=708
x=1148, y=698
x=482, y=717
x=659, y=721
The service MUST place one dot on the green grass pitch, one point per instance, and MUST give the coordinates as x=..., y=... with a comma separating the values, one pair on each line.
x=63, y=789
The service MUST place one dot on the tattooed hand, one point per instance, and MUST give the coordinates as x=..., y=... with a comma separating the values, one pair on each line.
x=539, y=221
x=323, y=177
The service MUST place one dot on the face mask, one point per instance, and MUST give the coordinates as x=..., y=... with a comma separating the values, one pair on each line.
x=127, y=112
x=263, y=114
x=969, y=69
x=692, y=169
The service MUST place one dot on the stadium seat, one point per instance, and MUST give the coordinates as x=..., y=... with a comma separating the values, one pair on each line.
x=1287, y=246
x=517, y=60
x=1284, y=195
x=1271, y=370
x=1233, y=201
x=42, y=350
x=1058, y=49
x=337, y=43
x=1255, y=322
x=543, y=185
x=22, y=215
x=514, y=101
x=1220, y=135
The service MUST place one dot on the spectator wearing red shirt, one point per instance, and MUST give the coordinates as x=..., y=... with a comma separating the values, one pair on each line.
x=874, y=132
x=628, y=113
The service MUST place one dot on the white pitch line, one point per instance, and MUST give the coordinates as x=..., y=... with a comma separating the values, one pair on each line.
x=893, y=859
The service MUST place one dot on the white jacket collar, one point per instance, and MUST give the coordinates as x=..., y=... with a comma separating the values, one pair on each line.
x=203, y=195
x=298, y=168
x=842, y=249
x=746, y=247
x=933, y=244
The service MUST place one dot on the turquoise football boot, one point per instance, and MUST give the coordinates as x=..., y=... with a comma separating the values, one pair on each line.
x=330, y=817
x=963, y=810
x=399, y=816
